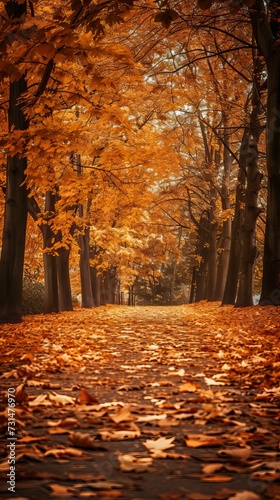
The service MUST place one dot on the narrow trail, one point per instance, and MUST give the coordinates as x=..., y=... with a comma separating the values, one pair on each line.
x=165, y=403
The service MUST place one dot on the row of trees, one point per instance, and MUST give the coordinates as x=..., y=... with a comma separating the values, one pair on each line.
x=133, y=151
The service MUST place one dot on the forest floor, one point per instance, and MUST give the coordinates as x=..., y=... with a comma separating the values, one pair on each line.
x=165, y=403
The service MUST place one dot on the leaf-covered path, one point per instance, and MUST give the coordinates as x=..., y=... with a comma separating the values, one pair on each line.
x=142, y=403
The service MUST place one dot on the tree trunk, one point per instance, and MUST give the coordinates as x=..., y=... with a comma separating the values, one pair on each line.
x=15, y=213
x=212, y=263
x=252, y=211
x=51, y=301
x=202, y=255
x=64, y=287
x=15, y=217
x=95, y=285
x=87, y=295
x=224, y=247
x=193, y=285
x=266, y=28
x=272, y=236
x=230, y=291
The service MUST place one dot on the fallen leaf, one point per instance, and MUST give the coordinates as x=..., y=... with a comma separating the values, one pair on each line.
x=150, y=418
x=85, y=398
x=237, y=453
x=211, y=381
x=60, y=399
x=20, y=394
x=159, y=444
x=245, y=495
x=63, y=452
x=56, y=431
x=82, y=440
x=216, y=479
x=130, y=463
x=59, y=490
x=41, y=400
x=122, y=415
x=114, y=435
x=188, y=387
x=201, y=440
x=31, y=439
x=199, y=496
x=211, y=468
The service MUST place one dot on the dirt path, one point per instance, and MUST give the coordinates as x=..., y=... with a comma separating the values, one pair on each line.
x=185, y=398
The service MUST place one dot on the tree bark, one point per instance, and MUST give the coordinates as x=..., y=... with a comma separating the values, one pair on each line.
x=87, y=295
x=252, y=211
x=15, y=217
x=95, y=285
x=51, y=297
x=64, y=287
x=202, y=255
x=266, y=27
x=225, y=240
x=230, y=291
x=272, y=234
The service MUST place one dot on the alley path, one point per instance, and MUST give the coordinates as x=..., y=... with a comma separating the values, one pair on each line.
x=165, y=403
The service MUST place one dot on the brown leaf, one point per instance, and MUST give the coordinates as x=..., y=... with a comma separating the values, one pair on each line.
x=245, y=495
x=211, y=468
x=201, y=440
x=122, y=415
x=82, y=440
x=60, y=399
x=85, y=398
x=20, y=393
x=121, y=435
x=31, y=439
x=216, y=479
x=159, y=444
x=63, y=452
x=188, y=387
x=130, y=463
x=236, y=453
x=59, y=490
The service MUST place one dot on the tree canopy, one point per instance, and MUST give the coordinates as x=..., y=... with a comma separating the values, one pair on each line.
x=134, y=163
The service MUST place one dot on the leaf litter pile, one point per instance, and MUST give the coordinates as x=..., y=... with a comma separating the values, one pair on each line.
x=163, y=403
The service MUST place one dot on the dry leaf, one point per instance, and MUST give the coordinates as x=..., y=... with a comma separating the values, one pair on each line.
x=59, y=490
x=211, y=468
x=20, y=394
x=201, y=440
x=119, y=435
x=85, y=398
x=130, y=463
x=159, y=444
x=31, y=439
x=216, y=479
x=41, y=400
x=122, y=415
x=63, y=452
x=60, y=399
x=237, y=453
x=150, y=418
x=82, y=440
x=245, y=495
x=188, y=387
